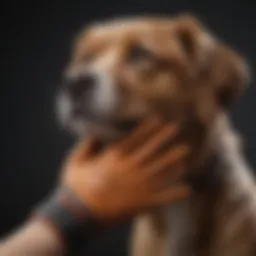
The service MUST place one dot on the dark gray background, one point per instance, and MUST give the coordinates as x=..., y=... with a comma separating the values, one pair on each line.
x=37, y=37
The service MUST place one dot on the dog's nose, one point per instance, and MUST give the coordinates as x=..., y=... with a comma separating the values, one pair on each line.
x=81, y=85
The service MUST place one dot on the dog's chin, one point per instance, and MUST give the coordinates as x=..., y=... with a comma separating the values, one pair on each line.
x=105, y=131
x=86, y=127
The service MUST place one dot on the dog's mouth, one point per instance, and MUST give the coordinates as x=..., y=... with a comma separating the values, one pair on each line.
x=126, y=125
x=121, y=126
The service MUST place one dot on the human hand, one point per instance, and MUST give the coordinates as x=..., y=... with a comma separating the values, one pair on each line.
x=128, y=177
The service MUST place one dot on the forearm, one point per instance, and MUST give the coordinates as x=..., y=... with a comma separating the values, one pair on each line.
x=61, y=225
x=36, y=238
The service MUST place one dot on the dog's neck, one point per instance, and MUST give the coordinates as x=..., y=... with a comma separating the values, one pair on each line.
x=207, y=156
x=203, y=164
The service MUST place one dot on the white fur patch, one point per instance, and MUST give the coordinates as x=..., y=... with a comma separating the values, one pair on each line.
x=105, y=96
x=63, y=107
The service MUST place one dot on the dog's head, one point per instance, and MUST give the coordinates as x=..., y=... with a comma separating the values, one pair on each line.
x=123, y=70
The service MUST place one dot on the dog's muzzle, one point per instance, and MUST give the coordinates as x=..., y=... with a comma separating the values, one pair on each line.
x=80, y=86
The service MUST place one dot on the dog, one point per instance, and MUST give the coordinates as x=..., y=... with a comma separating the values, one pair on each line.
x=121, y=71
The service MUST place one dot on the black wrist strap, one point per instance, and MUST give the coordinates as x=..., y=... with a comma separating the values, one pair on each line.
x=71, y=217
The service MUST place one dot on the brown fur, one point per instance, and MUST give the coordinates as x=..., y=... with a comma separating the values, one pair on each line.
x=176, y=68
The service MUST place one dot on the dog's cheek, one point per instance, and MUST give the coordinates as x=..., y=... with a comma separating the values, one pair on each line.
x=132, y=107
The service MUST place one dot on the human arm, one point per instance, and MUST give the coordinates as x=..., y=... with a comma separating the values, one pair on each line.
x=99, y=190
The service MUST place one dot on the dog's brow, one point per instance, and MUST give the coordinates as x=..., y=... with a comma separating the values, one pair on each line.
x=119, y=27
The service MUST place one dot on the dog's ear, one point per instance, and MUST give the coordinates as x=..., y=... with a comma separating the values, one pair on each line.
x=226, y=71
x=195, y=40
x=230, y=74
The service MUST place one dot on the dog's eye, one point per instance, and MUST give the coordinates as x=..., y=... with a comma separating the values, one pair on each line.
x=138, y=53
